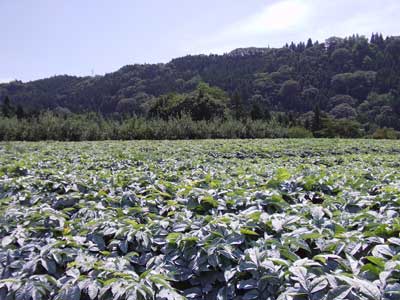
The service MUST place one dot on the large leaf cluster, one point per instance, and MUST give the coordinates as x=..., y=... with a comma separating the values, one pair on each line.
x=200, y=220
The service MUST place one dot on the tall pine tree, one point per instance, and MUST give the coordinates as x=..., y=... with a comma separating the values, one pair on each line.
x=6, y=109
x=316, y=122
x=237, y=105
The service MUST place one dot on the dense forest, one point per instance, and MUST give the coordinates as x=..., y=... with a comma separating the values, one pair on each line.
x=344, y=87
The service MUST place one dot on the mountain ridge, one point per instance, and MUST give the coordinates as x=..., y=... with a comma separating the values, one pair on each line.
x=353, y=78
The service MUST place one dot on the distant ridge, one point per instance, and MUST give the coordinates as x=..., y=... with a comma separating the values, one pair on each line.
x=354, y=78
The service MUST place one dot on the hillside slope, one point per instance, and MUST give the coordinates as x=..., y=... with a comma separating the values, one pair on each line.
x=352, y=77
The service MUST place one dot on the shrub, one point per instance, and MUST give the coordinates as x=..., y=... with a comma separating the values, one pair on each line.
x=386, y=133
x=299, y=133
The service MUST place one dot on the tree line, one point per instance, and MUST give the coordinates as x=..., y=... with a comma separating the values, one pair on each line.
x=16, y=125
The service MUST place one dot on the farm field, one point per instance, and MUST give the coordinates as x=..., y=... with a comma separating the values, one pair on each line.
x=214, y=219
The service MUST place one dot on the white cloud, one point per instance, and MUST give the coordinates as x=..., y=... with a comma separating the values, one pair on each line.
x=356, y=17
x=296, y=20
x=280, y=16
x=5, y=80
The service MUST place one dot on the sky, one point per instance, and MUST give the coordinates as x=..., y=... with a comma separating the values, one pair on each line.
x=43, y=38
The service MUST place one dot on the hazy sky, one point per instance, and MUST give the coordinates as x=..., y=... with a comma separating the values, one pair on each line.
x=41, y=38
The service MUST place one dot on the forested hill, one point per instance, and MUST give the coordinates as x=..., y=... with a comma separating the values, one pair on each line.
x=353, y=78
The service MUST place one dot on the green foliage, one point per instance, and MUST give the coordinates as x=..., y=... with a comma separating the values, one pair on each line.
x=205, y=103
x=7, y=109
x=347, y=78
x=341, y=59
x=386, y=133
x=316, y=120
x=299, y=132
x=289, y=93
x=342, y=128
x=237, y=105
x=49, y=126
x=343, y=111
x=213, y=219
